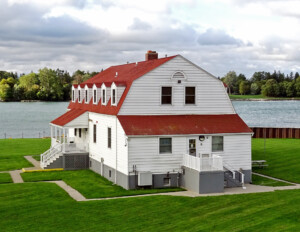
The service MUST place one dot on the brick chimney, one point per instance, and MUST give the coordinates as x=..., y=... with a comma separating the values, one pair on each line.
x=151, y=55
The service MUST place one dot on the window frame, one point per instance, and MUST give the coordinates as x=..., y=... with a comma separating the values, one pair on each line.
x=75, y=131
x=161, y=95
x=109, y=137
x=79, y=97
x=95, y=96
x=159, y=146
x=73, y=95
x=103, y=96
x=86, y=95
x=95, y=133
x=212, y=143
x=195, y=95
x=79, y=132
x=114, y=96
x=178, y=71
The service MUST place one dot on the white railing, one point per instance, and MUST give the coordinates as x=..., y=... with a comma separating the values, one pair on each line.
x=210, y=163
x=75, y=147
x=232, y=170
x=48, y=155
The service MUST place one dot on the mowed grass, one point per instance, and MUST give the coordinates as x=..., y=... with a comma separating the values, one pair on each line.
x=90, y=184
x=12, y=152
x=46, y=207
x=5, y=178
x=282, y=156
x=259, y=180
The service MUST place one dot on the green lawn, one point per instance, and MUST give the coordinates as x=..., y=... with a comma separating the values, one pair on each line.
x=12, y=152
x=90, y=184
x=282, y=156
x=259, y=180
x=5, y=178
x=245, y=97
x=46, y=207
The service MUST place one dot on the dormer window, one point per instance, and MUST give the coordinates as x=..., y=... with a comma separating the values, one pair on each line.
x=86, y=96
x=79, y=95
x=103, y=97
x=95, y=96
x=113, y=97
x=73, y=95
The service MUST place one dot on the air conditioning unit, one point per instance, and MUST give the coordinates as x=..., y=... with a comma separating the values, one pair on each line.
x=144, y=179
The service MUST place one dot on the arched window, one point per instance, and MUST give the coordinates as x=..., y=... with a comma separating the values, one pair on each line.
x=178, y=75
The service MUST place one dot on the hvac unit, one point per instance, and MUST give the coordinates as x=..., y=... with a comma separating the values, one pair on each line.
x=144, y=178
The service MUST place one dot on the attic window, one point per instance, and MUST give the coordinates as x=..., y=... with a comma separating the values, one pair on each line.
x=95, y=96
x=178, y=75
x=113, y=97
x=103, y=97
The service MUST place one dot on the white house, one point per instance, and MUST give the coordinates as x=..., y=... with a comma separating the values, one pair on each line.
x=162, y=122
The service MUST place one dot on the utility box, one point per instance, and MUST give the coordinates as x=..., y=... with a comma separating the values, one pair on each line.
x=144, y=179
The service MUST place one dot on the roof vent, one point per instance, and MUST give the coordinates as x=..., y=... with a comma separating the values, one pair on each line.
x=116, y=74
x=136, y=63
x=151, y=55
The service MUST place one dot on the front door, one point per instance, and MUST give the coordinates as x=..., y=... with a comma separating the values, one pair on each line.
x=192, y=146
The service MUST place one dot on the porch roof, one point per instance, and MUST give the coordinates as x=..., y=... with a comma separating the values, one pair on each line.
x=183, y=124
x=72, y=118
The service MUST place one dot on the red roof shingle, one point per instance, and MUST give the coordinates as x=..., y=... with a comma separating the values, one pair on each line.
x=68, y=117
x=183, y=124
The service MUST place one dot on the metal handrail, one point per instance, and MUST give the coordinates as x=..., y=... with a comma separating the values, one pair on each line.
x=232, y=170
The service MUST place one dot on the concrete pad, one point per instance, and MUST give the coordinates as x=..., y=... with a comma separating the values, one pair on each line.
x=16, y=177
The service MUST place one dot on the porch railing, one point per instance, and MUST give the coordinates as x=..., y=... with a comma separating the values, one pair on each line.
x=75, y=147
x=210, y=163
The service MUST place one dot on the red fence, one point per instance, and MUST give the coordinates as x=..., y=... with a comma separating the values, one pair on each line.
x=260, y=132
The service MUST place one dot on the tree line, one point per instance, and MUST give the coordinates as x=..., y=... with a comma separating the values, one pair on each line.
x=46, y=85
x=268, y=84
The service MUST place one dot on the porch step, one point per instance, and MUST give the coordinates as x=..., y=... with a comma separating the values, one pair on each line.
x=230, y=182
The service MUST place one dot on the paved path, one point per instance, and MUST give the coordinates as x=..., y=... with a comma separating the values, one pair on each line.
x=77, y=196
x=273, y=178
x=16, y=177
x=35, y=163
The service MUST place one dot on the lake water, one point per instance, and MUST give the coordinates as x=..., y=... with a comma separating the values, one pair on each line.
x=31, y=119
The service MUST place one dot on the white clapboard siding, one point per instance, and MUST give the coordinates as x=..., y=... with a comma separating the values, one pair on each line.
x=144, y=153
x=237, y=151
x=120, y=91
x=79, y=122
x=144, y=96
x=100, y=149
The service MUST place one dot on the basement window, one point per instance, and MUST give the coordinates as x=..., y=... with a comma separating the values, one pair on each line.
x=166, y=95
x=217, y=143
x=165, y=145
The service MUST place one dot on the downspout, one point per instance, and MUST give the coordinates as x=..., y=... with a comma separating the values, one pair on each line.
x=116, y=150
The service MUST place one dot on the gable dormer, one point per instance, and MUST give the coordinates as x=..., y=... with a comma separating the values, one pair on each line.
x=88, y=92
x=79, y=94
x=74, y=93
x=103, y=94
x=114, y=96
x=96, y=93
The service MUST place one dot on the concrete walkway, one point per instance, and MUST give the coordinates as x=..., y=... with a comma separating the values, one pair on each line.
x=77, y=196
x=34, y=162
x=273, y=178
x=16, y=177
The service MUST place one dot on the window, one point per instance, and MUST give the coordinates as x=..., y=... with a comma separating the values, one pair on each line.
x=95, y=133
x=217, y=143
x=165, y=145
x=75, y=132
x=166, y=95
x=103, y=97
x=95, y=96
x=109, y=137
x=190, y=95
x=178, y=75
x=79, y=132
x=86, y=96
x=192, y=147
x=73, y=95
x=79, y=95
x=113, y=96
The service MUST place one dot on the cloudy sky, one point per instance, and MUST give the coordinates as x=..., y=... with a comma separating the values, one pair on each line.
x=218, y=35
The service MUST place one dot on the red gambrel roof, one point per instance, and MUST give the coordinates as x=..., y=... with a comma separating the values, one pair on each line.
x=68, y=117
x=183, y=124
x=127, y=73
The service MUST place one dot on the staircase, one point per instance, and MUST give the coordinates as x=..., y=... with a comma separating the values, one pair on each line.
x=50, y=156
x=232, y=177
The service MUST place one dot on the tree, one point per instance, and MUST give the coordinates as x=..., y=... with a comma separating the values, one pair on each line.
x=51, y=87
x=297, y=87
x=231, y=79
x=28, y=81
x=271, y=88
x=255, y=88
x=244, y=87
